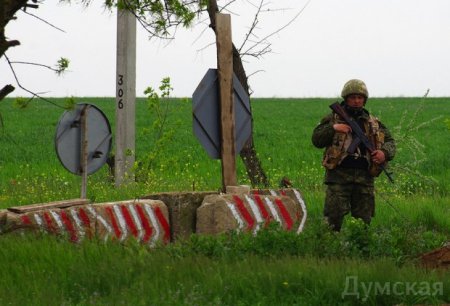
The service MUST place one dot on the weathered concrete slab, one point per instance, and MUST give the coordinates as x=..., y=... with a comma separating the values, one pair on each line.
x=182, y=208
x=241, y=189
x=144, y=220
x=222, y=213
x=40, y=206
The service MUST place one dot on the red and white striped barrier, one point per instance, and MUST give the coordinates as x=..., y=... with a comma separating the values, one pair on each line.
x=144, y=220
x=147, y=220
x=296, y=196
x=220, y=213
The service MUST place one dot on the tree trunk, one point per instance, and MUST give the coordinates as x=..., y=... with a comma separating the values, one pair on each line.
x=248, y=154
x=8, y=9
x=6, y=91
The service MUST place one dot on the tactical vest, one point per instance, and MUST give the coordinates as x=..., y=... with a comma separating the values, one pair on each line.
x=337, y=151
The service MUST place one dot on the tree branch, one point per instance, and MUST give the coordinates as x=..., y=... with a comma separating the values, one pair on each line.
x=36, y=64
x=250, y=51
x=33, y=94
x=253, y=26
x=6, y=91
x=44, y=21
x=8, y=10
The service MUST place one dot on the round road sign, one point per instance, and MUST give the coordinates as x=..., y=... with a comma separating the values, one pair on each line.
x=68, y=138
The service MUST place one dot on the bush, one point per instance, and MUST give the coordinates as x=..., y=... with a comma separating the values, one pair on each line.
x=356, y=240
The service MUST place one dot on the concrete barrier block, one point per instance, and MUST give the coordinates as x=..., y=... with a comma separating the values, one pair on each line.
x=221, y=213
x=122, y=220
x=214, y=217
x=239, y=190
x=144, y=220
x=292, y=193
x=182, y=210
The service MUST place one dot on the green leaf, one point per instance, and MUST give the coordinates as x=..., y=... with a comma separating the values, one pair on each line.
x=61, y=65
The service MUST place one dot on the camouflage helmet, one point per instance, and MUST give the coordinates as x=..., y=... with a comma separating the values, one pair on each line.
x=354, y=86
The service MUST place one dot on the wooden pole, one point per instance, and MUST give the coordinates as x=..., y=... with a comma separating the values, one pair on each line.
x=125, y=97
x=84, y=150
x=225, y=76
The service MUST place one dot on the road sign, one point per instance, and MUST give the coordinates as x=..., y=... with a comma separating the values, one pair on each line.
x=206, y=112
x=68, y=139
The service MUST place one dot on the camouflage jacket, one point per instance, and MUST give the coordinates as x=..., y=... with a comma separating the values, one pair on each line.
x=335, y=144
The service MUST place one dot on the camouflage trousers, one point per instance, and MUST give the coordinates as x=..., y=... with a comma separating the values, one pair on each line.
x=341, y=199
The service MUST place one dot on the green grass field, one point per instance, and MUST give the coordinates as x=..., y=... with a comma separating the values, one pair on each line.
x=412, y=215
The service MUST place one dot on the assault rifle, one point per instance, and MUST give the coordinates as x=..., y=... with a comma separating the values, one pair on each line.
x=359, y=136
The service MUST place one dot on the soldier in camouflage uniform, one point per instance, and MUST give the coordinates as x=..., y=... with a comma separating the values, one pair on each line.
x=349, y=178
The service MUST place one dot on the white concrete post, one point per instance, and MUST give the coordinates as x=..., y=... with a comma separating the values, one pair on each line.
x=125, y=97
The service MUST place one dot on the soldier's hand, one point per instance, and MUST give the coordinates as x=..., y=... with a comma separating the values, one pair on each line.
x=341, y=127
x=378, y=157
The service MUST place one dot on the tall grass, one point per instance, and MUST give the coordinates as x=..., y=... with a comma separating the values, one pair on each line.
x=273, y=268
x=42, y=272
x=282, y=130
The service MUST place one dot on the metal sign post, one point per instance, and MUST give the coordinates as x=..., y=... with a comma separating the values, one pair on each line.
x=125, y=97
x=225, y=75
